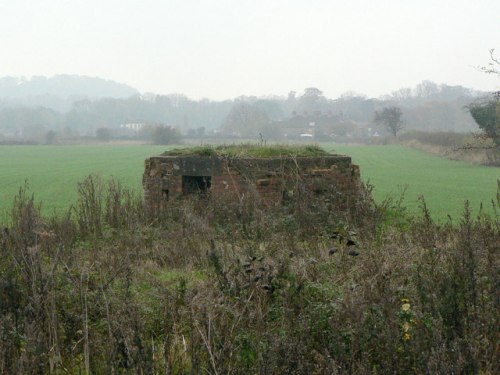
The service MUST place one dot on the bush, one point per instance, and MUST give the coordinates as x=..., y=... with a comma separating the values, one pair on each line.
x=486, y=113
x=165, y=135
x=103, y=134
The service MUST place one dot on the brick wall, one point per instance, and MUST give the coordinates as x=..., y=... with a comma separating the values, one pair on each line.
x=271, y=178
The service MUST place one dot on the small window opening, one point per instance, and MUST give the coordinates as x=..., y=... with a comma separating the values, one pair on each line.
x=196, y=184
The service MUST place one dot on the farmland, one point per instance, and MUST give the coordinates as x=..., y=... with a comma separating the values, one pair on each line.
x=52, y=174
x=445, y=184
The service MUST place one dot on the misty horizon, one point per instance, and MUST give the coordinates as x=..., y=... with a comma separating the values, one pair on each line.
x=225, y=49
x=15, y=87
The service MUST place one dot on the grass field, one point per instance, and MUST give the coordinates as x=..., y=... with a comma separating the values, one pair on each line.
x=445, y=184
x=52, y=173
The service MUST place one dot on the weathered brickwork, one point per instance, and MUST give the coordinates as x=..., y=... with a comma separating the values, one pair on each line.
x=168, y=177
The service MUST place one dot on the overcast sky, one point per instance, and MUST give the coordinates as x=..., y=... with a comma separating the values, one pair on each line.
x=225, y=48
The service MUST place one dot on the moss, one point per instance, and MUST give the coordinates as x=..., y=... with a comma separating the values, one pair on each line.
x=199, y=150
x=250, y=150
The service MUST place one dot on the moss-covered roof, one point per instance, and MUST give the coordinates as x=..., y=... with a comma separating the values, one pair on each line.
x=250, y=151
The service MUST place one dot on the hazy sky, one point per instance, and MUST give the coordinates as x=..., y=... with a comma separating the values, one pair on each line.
x=225, y=48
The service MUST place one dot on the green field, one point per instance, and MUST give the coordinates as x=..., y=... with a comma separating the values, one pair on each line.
x=52, y=173
x=445, y=184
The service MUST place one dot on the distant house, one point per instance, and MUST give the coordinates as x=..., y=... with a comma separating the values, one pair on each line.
x=133, y=126
x=307, y=126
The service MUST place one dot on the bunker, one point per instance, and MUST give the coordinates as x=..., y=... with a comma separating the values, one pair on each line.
x=273, y=173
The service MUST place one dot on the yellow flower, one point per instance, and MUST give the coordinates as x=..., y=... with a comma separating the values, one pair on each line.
x=406, y=327
x=407, y=336
x=405, y=300
x=405, y=307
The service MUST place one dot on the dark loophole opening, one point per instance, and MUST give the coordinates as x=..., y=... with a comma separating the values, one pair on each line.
x=196, y=184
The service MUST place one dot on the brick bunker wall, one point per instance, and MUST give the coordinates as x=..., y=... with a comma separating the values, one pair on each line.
x=167, y=177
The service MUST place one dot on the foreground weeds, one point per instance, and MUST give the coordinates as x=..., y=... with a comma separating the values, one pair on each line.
x=228, y=286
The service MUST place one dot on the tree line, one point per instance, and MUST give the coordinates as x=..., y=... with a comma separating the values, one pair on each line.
x=428, y=106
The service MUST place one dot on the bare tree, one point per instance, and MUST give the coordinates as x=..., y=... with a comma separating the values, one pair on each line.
x=493, y=66
x=245, y=119
x=391, y=118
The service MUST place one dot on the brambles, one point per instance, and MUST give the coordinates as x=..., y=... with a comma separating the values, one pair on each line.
x=226, y=286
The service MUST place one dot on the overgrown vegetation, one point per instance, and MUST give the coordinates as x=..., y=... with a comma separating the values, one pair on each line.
x=228, y=286
x=250, y=150
x=486, y=113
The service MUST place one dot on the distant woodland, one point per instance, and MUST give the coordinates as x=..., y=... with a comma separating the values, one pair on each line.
x=65, y=108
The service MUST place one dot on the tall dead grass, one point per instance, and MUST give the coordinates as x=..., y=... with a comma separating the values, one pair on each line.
x=229, y=286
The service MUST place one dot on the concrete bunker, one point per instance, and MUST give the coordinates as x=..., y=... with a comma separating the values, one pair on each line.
x=272, y=172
